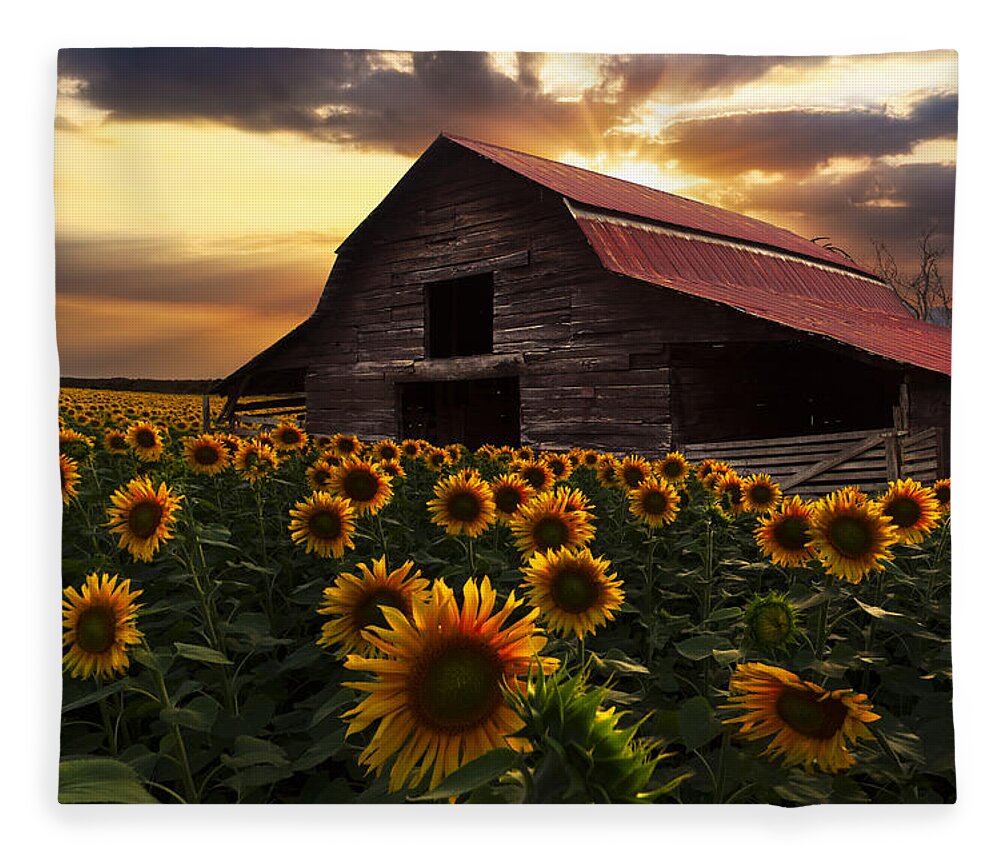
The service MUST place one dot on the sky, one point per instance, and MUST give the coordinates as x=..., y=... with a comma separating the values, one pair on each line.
x=200, y=194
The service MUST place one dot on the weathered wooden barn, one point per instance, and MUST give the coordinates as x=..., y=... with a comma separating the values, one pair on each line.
x=495, y=296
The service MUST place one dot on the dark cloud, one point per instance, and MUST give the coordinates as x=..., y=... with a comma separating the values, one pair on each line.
x=797, y=142
x=353, y=97
x=886, y=203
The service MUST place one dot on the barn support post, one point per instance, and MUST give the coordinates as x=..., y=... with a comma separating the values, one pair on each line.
x=206, y=413
x=893, y=455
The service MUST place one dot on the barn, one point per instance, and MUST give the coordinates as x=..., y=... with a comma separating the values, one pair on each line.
x=496, y=296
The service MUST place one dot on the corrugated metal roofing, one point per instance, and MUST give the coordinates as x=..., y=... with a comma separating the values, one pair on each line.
x=607, y=192
x=849, y=309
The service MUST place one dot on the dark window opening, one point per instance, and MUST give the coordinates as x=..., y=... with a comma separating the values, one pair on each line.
x=458, y=318
x=470, y=411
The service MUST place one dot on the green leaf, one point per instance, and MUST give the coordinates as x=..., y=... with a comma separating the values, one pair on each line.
x=202, y=654
x=100, y=780
x=320, y=751
x=94, y=696
x=473, y=774
x=697, y=722
x=200, y=715
x=700, y=647
x=250, y=752
x=726, y=613
x=333, y=705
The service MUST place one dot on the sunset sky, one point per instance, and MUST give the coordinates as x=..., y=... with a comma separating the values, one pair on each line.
x=200, y=194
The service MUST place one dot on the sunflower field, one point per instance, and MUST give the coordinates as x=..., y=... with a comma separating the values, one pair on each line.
x=293, y=619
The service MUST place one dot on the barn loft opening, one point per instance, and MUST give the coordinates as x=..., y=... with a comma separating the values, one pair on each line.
x=471, y=411
x=458, y=316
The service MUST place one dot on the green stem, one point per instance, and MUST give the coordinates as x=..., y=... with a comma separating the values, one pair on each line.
x=471, y=553
x=709, y=562
x=819, y=647
x=186, y=775
x=106, y=720
x=260, y=522
x=582, y=651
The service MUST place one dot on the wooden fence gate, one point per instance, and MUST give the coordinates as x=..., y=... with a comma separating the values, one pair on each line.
x=816, y=465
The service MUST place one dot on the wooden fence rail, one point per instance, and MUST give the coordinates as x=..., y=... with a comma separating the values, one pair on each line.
x=816, y=465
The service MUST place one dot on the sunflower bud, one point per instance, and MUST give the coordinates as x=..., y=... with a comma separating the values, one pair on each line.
x=770, y=622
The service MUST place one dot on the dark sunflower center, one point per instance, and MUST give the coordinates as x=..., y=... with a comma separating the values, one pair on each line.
x=590, y=460
x=95, y=629
x=534, y=476
x=369, y=610
x=325, y=525
x=464, y=506
x=387, y=453
x=574, y=590
x=437, y=459
x=117, y=443
x=410, y=450
x=144, y=518
x=943, y=494
x=206, y=455
x=289, y=437
x=345, y=446
x=806, y=714
x=772, y=625
x=792, y=533
x=732, y=495
x=557, y=468
x=360, y=485
x=904, y=512
x=654, y=502
x=632, y=476
x=551, y=532
x=458, y=686
x=671, y=469
x=761, y=494
x=145, y=438
x=850, y=536
x=251, y=459
x=321, y=477
x=507, y=500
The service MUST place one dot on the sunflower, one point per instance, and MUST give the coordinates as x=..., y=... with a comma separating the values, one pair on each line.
x=115, y=441
x=69, y=477
x=761, y=494
x=544, y=523
x=287, y=437
x=363, y=484
x=254, y=460
x=673, y=468
x=632, y=471
x=346, y=444
x=770, y=622
x=573, y=590
x=589, y=458
x=142, y=516
x=386, y=450
x=655, y=502
x=574, y=499
x=537, y=473
x=435, y=458
x=523, y=453
x=509, y=493
x=559, y=466
x=811, y=726
x=356, y=603
x=99, y=622
x=850, y=534
x=412, y=448
x=728, y=490
x=463, y=505
x=607, y=471
x=942, y=492
x=324, y=524
x=913, y=509
x=74, y=445
x=319, y=474
x=205, y=455
x=784, y=534
x=439, y=683
x=456, y=451
x=145, y=440
x=393, y=469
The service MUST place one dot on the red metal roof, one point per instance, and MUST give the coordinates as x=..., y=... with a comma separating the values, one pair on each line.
x=853, y=310
x=607, y=192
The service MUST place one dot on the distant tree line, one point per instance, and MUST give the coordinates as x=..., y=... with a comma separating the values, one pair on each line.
x=121, y=383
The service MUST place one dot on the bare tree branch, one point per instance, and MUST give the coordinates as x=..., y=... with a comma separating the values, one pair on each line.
x=924, y=290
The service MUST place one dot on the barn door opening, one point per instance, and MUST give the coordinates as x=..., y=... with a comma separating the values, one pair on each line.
x=471, y=411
